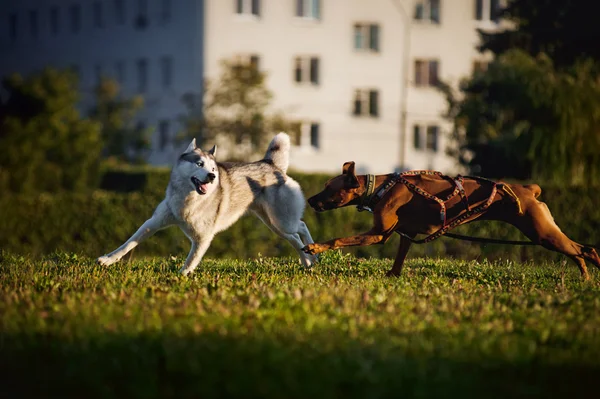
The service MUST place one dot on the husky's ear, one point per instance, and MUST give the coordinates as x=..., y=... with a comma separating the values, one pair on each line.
x=213, y=151
x=191, y=147
x=351, y=178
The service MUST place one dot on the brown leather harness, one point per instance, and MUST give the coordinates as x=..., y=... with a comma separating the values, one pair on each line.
x=373, y=195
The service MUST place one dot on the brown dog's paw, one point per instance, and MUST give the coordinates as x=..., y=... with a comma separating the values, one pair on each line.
x=313, y=249
x=393, y=273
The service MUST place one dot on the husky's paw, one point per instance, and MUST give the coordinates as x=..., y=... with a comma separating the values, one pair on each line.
x=106, y=260
x=185, y=272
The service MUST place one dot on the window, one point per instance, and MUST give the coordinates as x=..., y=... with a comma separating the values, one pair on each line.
x=141, y=19
x=54, y=20
x=296, y=133
x=366, y=102
x=12, y=26
x=431, y=142
x=304, y=134
x=426, y=73
x=366, y=37
x=142, y=74
x=120, y=72
x=488, y=10
x=247, y=60
x=428, y=10
x=431, y=134
x=120, y=11
x=75, y=18
x=306, y=70
x=33, y=23
x=98, y=17
x=248, y=7
x=165, y=10
x=308, y=9
x=314, y=135
x=166, y=71
x=163, y=134
x=417, y=142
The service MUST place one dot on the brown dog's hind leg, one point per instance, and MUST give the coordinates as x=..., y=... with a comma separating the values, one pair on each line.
x=538, y=224
x=403, y=248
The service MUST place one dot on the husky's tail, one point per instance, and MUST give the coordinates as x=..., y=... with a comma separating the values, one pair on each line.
x=279, y=151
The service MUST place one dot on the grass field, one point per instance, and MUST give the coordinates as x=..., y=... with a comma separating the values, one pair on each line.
x=267, y=328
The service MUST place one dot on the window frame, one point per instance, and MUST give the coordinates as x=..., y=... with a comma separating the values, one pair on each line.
x=424, y=73
x=363, y=104
x=366, y=31
x=248, y=8
x=308, y=9
x=305, y=134
x=307, y=70
x=426, y=15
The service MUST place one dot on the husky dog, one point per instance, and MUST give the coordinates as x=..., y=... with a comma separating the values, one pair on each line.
x=205, y=197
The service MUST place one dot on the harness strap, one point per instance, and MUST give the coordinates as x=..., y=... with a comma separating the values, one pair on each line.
x=512, y=194
x=443, y=230
x=371, y=198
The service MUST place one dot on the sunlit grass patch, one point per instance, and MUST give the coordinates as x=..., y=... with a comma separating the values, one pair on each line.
x=266, y=327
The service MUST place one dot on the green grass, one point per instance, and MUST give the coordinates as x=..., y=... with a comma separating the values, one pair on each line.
x=267, y=328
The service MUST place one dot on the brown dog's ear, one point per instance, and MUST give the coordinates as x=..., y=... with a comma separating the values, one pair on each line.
x=348, y=168
x=351, y=178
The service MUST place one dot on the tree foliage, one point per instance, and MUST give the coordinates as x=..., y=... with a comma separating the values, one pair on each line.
x=523, y=118
x=122, y=138
x=46, y=144
x=234, y=108
x=562, y=29
x=535, y=112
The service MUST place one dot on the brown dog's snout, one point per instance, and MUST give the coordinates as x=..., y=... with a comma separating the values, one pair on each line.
x=315, y=203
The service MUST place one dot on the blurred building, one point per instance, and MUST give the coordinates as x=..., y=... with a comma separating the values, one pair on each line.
x=357, y=75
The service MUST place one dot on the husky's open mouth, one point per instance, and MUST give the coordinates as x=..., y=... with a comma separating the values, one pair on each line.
x=200, y=187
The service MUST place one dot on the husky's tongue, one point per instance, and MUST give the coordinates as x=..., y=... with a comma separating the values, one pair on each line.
x=200, y=187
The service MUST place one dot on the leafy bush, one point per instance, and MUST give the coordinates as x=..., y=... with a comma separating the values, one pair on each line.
x=96, y=223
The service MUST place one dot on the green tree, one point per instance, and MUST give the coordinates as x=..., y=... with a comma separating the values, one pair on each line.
x=523, y=118
x=535, y=111
x=46, y=144
x=234, y=107
x=122, y=138
x=561, y=29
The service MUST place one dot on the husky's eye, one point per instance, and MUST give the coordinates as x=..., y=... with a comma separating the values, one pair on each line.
x=200, y=164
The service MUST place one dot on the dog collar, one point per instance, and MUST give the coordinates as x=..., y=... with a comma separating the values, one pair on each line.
x=369, y=190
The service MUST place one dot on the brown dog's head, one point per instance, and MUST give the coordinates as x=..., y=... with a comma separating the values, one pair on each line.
x=339, y=191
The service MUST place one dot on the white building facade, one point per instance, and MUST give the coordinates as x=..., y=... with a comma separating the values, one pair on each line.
x=357, y=75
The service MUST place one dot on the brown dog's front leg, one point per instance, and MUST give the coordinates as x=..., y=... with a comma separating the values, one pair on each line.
x=368, y=238
x=403, y=248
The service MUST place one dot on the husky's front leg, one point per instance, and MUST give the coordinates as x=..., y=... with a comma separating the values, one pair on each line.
x=199, y=248
x=161, y=218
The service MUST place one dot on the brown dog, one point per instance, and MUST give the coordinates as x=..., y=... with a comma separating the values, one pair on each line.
x=425, y=202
